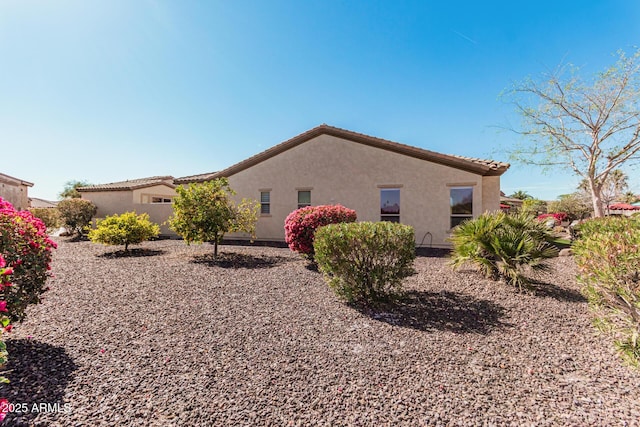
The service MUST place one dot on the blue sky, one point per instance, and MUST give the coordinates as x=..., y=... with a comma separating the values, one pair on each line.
x=108, y=90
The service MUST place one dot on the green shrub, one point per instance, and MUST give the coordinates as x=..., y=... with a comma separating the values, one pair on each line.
x=76, y=214
x=503, y=246
x=608, y=259
x=50, y=216
x=126, y=229
x=365, y=261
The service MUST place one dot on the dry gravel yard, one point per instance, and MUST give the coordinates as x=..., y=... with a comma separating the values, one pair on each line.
x=171, y=338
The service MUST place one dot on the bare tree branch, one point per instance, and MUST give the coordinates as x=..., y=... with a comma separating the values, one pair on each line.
x=591, y=126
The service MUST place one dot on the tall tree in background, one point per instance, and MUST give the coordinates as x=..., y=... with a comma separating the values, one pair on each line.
x=590, y=126
x=630, y=197
x=521, y=194
x=613, y=187
x=71, y=189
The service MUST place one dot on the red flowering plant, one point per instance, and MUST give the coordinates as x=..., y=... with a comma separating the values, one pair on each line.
x=26, y=251
x=300, y=225
x=557, y=216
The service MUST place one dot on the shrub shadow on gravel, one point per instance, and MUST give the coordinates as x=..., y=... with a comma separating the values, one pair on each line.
x=39, y=373
x=549, y=290
x=132, y=253
x=432, y=252
x=445, y=311
x=239, y=260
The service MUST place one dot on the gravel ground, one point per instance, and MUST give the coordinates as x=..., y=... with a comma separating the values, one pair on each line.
x=170, y=338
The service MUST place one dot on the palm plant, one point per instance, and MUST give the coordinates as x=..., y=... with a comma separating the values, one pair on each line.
x=503, y=246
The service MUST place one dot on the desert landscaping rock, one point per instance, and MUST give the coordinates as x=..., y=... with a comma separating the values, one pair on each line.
x=172, y=337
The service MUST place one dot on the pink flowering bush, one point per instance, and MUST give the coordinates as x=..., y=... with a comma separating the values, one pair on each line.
x=26, y=253
x=5, y=325
x=300, y=225
x=557, y=216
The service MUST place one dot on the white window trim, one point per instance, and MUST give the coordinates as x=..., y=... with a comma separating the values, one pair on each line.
x=268, y=191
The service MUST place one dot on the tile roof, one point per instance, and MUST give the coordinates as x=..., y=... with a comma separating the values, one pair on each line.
x=195, y=178
x=36, y=202
x=479, y=166
x=131, y=184
x=11, y=180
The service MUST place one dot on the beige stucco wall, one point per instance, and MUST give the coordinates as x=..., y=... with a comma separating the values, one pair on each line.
x=118, y=202
x=343, y=172
x=490, y=193
x=142, y=195
x=16, y=194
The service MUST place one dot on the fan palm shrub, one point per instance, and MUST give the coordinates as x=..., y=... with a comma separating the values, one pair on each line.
x=503, y=246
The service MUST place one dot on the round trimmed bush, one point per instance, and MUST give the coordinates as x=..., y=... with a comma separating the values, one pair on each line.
x=76, y=214
x=300, y=225
x=365, y=261
x=126, y=229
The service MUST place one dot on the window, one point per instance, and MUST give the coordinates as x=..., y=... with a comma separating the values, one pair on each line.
x=390, y=204
x=265, y=202
x=461, y=199
x=304, y=198
x=160, y=199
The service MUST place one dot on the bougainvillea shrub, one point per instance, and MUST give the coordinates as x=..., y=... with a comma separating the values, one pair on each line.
x=557, y=216
x=5, y=325
x=26, y=251
x=300, y=225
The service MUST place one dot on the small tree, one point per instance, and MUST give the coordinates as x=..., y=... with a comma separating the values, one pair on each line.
x=70, y=190
x=76, y=214
x=126, y=229
x=204, y=212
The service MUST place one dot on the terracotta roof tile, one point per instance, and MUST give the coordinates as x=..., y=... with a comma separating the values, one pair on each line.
x=195, y=178
x=479, y=166
x=131, y=184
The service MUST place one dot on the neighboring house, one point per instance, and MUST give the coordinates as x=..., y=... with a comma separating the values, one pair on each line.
x=15, y=191
x=35, y=202
x=380, y=179
x=624, y=209
x=151, y=195
x=507, y=203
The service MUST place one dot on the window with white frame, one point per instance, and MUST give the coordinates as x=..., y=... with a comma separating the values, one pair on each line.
x=158, y=199
x=390, y=204
x=304, y=198
x=265, y=202
x=461, y=201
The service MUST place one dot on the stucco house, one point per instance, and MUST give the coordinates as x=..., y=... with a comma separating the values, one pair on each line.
x=15, y=191
x=380, y=179
x=152, y=195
